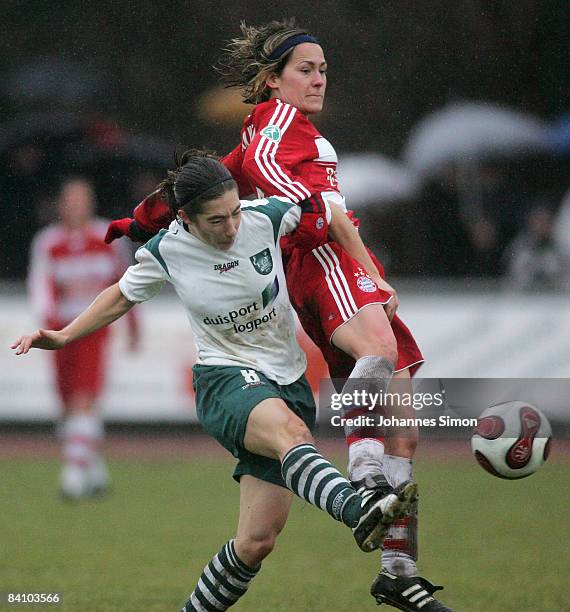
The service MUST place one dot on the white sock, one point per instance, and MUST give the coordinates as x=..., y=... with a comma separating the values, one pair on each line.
x=365, y=460
x=397, y=470
x=81, y=436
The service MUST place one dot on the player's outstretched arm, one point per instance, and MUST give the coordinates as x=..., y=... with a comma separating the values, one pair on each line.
x=107, y=307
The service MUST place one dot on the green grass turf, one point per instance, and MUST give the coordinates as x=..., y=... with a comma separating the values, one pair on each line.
x=496, y=545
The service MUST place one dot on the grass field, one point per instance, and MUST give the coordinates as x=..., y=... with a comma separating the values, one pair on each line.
x=497, y=546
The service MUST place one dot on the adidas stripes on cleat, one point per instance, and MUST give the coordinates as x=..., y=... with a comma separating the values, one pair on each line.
x=411, y=594
x=381, y=506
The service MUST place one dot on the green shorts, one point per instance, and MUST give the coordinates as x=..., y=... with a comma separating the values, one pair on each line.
x=225, y=395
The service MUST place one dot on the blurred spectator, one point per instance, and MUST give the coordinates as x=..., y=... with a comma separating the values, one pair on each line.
x=70, y=264
x=534, y=260
x=561, y=230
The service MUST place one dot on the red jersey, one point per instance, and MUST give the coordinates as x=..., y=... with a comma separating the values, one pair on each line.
x=69, y=268
x=282, y=153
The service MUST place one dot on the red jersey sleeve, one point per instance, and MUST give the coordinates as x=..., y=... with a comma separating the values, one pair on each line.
x=233, y=162
x=153, y=213
x=284, y=138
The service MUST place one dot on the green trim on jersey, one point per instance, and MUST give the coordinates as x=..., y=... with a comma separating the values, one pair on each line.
x=275, y=209
x=152, y=247
x=270, y=292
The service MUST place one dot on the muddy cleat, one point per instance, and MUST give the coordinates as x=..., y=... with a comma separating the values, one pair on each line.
x=382, y=505
x=410, y=594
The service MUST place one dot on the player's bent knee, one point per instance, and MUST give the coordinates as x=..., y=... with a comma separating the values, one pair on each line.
x=380, y=344
x=364, y=336
x=256, y=547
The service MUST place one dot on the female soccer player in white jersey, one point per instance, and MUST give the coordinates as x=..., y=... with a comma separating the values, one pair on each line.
x=251, y=393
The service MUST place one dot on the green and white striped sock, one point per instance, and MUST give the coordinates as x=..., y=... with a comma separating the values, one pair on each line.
x=224, y=580
x=310, y=476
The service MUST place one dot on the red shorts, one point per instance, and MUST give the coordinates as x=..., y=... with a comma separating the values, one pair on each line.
x=80, y=366
x=327, y=288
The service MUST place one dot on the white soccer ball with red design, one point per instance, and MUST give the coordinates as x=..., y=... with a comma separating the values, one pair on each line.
x=511, y=440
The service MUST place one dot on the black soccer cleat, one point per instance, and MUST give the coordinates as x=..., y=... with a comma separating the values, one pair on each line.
x=382, y=506
x=411, y=594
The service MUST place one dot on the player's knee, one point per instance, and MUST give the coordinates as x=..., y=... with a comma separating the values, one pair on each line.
x=381, y=346
x=257, y=546
x=378, y=340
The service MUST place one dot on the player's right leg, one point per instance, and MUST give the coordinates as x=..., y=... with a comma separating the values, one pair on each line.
x=79, y=376
x=341, y=309
x=368, y=339
x=268, y=428
x=81, y=433
x=274, y=431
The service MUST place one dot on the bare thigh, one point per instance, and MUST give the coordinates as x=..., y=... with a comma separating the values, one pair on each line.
x=272, y=429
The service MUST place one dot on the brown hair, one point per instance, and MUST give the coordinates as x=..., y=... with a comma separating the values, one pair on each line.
x=198, y=178
x=245, y=61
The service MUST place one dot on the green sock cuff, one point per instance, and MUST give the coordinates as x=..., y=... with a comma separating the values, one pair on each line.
x=351, y=511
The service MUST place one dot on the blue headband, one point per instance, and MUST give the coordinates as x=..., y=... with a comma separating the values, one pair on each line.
x=291, y=42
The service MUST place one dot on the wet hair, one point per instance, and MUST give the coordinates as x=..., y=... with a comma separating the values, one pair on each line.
x=249, y=60
x=198, y=178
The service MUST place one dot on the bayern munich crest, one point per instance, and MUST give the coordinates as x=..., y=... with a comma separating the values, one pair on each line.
x=366, y=284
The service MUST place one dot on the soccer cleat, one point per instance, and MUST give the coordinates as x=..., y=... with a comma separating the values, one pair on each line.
x=411, y=594
x=381, y=505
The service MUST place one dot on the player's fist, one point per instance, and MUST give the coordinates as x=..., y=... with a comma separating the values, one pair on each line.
x=118, y=228
x=391, y=307
x=46, y=339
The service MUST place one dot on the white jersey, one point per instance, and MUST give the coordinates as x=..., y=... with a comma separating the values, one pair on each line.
x=236, y=300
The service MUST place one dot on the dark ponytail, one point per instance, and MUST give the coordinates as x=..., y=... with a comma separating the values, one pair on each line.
x=199, y=177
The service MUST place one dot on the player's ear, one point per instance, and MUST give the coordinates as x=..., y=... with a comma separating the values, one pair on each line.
x=273, y=81
x=183, y=216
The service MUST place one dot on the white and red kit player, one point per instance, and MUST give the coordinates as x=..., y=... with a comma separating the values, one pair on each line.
x=70, y=265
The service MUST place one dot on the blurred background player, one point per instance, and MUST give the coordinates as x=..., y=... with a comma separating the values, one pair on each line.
x=338, y=289
x=69, y=265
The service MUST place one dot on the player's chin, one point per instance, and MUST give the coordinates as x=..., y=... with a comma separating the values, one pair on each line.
x=313, y=105
x=225, y=246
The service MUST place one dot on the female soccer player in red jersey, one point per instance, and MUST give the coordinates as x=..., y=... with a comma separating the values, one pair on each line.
x=337, y=289
x=69, y=265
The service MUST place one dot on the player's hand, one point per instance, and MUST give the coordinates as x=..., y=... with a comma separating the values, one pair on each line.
x=118, y=229
x=392, y=306
x=46, y=339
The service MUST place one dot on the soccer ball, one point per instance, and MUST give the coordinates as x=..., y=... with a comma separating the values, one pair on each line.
x=511, y=440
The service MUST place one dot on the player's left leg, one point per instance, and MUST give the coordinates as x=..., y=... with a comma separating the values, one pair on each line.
x=401, y=544
x=398, y=583
x=264, y=508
